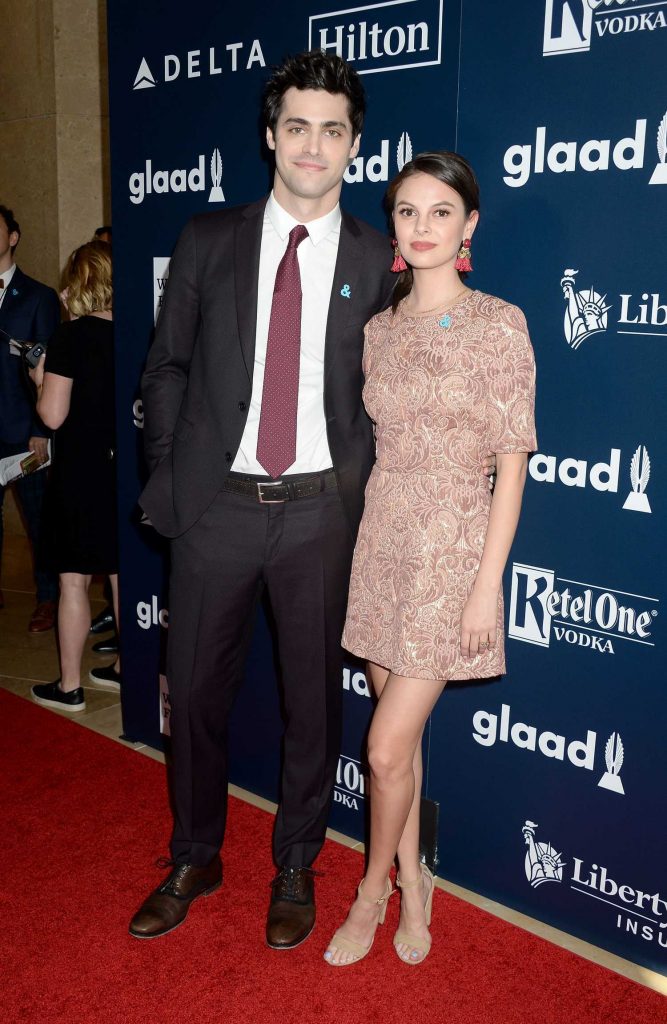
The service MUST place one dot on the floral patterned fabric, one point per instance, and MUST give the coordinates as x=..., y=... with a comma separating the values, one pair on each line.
x=444, y=392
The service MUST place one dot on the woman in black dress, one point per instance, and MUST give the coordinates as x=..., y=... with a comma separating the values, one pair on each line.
x=75, y=398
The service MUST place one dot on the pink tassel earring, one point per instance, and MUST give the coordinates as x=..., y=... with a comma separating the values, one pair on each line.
x=399, y=263
x=463, y=258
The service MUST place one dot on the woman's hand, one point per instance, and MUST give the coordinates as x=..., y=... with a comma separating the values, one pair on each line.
x=37, y=372
x=479, y=622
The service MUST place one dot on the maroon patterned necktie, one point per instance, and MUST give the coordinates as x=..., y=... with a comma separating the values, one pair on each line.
x=276, y=441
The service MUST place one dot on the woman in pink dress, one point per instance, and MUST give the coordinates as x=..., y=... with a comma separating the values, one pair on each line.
x=449, y=378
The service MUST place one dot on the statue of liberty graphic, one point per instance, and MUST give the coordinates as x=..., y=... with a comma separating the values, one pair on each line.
x=585, y=313
x=543, y=863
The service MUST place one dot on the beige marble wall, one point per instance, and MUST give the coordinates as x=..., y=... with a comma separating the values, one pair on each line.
x=54, y=164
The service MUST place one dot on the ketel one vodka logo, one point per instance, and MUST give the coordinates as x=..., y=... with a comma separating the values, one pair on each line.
x=585, y=310
x=376, y=167
x=543, y=863
x=543, y=606
x=350, y=785
x=151, y=181
x=490, y=729
x=569, y=25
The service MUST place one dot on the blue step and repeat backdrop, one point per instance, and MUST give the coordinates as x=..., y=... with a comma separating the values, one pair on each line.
x=551, y=782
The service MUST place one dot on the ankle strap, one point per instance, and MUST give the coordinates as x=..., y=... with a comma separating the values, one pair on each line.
x=408, y=885
x=381, y=899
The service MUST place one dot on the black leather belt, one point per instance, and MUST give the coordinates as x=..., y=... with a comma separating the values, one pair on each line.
x=270, y=492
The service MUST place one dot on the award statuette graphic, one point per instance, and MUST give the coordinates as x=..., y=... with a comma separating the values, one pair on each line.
x=216, y=195
x=403, y=151
x=613, y=756
x=640, y=472
x=659, y=176
x=543, y=863
x=585, y=312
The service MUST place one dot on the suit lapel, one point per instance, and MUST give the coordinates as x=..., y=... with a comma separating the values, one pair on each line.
x=247, y=246
x=349, y=264
x=9, y=301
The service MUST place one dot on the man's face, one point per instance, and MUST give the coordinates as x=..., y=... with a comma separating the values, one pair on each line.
x=7, y=240
x=313, y=144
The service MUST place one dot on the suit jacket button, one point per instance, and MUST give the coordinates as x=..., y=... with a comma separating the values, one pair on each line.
x=242, y=406
x=228, y=456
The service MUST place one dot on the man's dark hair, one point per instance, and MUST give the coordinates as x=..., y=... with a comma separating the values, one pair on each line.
x=104, y=230
x=12, y=224
x=316, y=70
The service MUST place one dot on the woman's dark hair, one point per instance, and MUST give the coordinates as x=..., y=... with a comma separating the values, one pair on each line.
x=315, y=70
x=452, y=170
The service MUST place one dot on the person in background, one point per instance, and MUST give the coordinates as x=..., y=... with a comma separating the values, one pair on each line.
x=29, y=311
x=75, y=398
x=449, y=376
x=103, y=234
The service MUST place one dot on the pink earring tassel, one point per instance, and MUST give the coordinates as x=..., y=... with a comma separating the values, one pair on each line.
x=463, y=258
x=399, y=264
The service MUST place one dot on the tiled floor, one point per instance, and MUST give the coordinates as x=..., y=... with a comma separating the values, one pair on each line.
x=26, y=659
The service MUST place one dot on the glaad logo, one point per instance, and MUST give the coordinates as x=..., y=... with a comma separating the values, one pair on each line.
x=160, y=278
x=381, y=40
x=356, y=681
x=569, y=24
x=602, y=476
x=376, y=168
x=542, y=863
x=488, y=730
x=194, y=66
x=582, y=614
x=593, y=155
x=150, y=615
x=350, y=785
x=585, y=313
x=138, y=413
x=148, y=181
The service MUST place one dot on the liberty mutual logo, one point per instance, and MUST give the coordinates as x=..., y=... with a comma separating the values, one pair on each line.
x=585, y=312
x=543, y=863
x=587, y=309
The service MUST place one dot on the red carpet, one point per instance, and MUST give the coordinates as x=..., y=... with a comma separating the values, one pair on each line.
x=87, y=820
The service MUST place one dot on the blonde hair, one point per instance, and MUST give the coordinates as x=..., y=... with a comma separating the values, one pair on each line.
x=87, y=279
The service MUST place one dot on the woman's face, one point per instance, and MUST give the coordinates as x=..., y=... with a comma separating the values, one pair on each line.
x=430, y=222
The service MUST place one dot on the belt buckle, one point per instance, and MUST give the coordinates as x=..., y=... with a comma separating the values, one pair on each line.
x=268, y=501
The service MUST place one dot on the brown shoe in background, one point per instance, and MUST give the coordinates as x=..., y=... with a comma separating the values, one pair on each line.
x=43, y=617
x=168, y=905
x=291, y=916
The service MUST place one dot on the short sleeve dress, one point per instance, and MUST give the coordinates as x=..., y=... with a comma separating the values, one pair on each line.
x=444, y=392
x=80, y=523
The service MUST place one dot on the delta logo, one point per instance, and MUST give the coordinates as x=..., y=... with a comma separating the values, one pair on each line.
x=595, y=155
x=546, y=607
x=570, y=26
x=203, y=62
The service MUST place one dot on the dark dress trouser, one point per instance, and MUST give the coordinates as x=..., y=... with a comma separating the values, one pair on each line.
x=301, y=552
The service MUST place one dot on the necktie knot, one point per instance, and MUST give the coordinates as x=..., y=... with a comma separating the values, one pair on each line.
x=297, y=235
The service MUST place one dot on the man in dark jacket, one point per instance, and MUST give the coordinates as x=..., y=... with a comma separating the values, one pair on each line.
x=29, y=311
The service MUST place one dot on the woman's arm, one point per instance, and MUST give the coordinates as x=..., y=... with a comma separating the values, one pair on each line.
x=53, y=396
x=479, y=618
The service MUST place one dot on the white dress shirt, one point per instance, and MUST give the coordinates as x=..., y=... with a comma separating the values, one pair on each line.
x=317, y=262
x=6, y=277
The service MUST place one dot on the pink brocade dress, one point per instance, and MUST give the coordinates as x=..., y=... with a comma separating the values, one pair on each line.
x=444, y=392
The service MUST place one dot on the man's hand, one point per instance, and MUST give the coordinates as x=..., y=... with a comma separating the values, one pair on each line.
x=39, y=445
x=489, y=469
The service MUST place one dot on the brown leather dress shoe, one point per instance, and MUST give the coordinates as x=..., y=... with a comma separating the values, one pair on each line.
x=43, y=617
x=291, y=916
x=168, y=905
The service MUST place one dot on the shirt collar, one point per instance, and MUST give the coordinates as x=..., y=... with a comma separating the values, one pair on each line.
x=283, y=222
x=7, y=275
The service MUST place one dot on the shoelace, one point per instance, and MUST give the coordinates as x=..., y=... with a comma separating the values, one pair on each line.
x=171, y=883
x=285, y=884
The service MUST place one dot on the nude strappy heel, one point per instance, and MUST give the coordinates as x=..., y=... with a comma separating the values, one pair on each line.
x=339, y=941
x=423, y=945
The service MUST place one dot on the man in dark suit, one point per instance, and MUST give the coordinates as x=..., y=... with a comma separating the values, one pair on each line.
x=29, y=311
x=259, y=449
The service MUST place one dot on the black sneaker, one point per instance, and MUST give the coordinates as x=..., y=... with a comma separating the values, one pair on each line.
x=108, y=646
x=51, y=696
x=106, y=678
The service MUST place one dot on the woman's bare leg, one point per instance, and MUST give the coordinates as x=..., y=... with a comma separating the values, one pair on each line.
x=398, y=723
x=73, y=626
